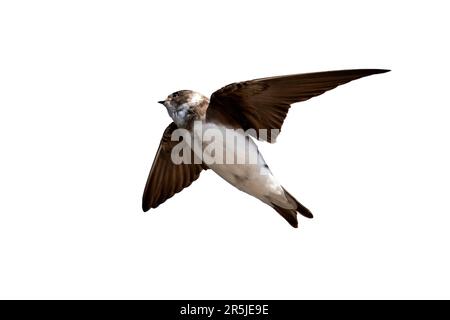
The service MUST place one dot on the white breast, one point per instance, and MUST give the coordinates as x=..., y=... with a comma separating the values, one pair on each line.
x=242, y=164
x=179, y=116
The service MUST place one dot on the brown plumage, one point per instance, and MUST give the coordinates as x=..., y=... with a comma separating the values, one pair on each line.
x=264, y=103
x=166, y=178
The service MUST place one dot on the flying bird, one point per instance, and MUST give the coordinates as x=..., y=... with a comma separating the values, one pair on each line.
x=249, y=109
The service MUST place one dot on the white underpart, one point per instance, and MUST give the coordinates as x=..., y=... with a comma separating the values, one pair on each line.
x=179, y=116
x=253, y=178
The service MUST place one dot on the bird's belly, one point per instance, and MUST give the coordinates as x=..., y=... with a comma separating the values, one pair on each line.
x=247, y=178
x=235, y=157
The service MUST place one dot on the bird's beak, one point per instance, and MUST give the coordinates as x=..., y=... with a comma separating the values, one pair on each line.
x=162, y=101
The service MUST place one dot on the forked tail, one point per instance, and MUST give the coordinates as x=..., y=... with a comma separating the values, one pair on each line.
x=290, y=214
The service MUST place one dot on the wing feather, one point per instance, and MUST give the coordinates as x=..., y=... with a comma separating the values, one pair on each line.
x=166, y=178
x=264, y=103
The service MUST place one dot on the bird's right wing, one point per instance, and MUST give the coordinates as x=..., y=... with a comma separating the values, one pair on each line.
x=264, y=103
x=167, y=178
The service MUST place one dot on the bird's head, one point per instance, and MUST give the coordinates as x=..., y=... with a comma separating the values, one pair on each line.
x=185, y=106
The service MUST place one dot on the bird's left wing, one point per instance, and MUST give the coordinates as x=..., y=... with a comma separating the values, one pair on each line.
x=264, y=103
x=167, y=178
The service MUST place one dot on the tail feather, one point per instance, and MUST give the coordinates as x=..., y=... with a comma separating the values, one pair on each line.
x=291, y=214
x=300, y=208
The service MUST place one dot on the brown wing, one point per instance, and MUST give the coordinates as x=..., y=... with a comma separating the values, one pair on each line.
x=264, y=103
x=166, y=178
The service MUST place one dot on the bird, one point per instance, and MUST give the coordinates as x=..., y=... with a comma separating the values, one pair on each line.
x=247, y=110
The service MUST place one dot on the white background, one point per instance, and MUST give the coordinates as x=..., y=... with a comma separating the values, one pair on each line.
x=80, y=125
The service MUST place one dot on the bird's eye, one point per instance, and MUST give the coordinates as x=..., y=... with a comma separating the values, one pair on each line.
x=175, y=94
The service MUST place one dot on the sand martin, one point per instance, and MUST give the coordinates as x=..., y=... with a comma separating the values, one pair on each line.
x=237, y=113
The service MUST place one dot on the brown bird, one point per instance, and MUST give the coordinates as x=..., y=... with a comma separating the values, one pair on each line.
x=234, y=114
